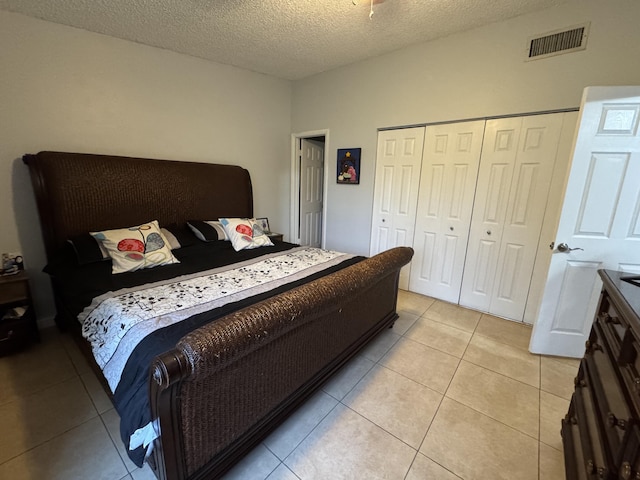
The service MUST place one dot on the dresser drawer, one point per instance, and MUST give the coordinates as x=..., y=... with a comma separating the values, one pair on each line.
x=624, y=349
x=596, y=456
x=630, y=462
x=619, y=334
x=612, y=409
x=573, y=456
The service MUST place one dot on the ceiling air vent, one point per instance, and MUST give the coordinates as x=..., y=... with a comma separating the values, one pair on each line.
x=558, y=42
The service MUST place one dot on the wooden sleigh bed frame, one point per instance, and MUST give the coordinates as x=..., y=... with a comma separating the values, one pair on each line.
x=228, y=384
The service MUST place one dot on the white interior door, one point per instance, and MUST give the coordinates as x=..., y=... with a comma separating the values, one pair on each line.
x=398, y=162
x=600, y=219
x=311, y=177
x=445, y=202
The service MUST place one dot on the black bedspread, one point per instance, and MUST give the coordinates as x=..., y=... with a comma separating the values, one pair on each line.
x=77, y=285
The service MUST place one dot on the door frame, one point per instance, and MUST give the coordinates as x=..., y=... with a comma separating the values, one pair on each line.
x=294, y=232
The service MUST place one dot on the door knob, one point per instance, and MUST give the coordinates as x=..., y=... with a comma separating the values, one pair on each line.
x=564, y=248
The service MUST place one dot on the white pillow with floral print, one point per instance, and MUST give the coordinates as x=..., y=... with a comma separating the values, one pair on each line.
x=133, y=248
x=245, y=233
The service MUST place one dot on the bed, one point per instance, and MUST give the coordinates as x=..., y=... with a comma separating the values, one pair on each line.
x=209, y=386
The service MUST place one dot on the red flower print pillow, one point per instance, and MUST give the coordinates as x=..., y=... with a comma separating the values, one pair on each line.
x=245, y=233
x=133, y=248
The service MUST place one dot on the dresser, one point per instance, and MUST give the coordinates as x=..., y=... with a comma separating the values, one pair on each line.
x=601, y=431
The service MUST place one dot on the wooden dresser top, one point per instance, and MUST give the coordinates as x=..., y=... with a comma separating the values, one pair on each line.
x=625, y=294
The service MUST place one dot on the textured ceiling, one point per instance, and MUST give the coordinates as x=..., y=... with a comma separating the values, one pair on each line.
x=284, y=38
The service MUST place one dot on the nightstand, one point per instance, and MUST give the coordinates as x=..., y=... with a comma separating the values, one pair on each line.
x=275, y=237
x=18, y=325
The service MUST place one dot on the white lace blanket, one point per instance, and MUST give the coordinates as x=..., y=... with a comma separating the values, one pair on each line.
x=116, y=322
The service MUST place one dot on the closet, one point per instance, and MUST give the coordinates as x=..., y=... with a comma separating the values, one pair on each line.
x=478, y=208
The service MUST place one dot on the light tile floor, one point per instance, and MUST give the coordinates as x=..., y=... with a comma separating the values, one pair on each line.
x=448, y=393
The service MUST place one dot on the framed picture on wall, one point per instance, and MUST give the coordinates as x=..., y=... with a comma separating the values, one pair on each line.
x=348, y=166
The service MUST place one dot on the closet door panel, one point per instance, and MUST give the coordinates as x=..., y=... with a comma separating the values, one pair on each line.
x=398, y=165
x=386, y=185
x=426, y=237
x=509, y=268
x=380, y=239
x=426, y=245
x=447, y=188
x=485, y=254
x=535, y=161
x=449, y=257
x=499, y=153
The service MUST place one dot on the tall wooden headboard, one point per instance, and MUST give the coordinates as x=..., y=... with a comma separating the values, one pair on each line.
x=98, y=192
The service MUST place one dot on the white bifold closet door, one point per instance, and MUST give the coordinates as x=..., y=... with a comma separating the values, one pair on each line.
x=398, y=163
x=447, y=188
x=517, y=163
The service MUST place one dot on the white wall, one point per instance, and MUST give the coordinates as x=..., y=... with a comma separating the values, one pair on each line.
x=66, y=89
x=474, y=74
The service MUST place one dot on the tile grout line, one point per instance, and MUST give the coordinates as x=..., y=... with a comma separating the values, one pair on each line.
x=288, y=469
x=442, y=399
x=502, y=342
x=506, y=376
x=511, y=378
x=501, y=374
x=446, y=324
x=48, y=440
x=93, y=403
x=104, y=425
x=61, y=379
x=378, y=364
x=379, y=426
x=476, y=364
x=539, y=411
x=338, y=402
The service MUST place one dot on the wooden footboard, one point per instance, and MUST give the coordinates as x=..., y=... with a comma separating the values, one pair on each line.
x=227, y=385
